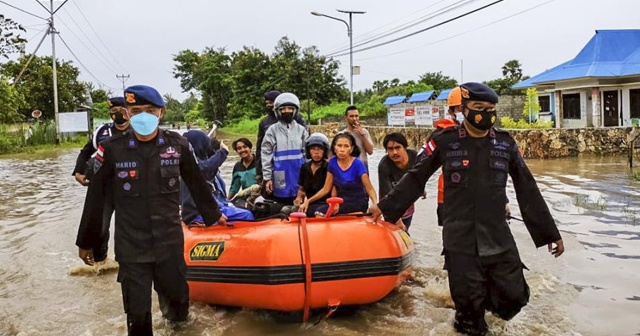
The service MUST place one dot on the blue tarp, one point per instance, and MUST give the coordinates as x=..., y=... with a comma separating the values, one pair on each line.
x=420, y=96
x=444, y=94
x=394, y=100
x=609, y=53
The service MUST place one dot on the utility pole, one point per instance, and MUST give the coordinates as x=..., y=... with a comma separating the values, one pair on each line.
x=461, y=71
x=123, y=78
x=53, y=32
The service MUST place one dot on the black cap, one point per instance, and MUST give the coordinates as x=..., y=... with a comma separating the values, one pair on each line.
x=479, y=92
x=271, y=95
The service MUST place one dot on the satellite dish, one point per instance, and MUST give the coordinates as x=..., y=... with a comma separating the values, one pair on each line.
x=36, y=114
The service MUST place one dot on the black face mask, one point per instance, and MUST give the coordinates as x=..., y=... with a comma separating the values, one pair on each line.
x=118, y=118
x=286, y=117
x=268, y=109
x=482, y=120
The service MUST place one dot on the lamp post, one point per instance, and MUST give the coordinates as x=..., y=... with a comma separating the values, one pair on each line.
x=350, y=34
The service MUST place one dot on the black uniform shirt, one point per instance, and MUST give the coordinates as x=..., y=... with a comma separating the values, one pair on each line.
x=312, y=183
x=475, y=176
x=145, y=179
x=103, y=133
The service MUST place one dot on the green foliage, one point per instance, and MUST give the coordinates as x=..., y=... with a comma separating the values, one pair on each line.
x=636, y=176
x=176, y=110
x=512, y=75
x=10, y=39
x=334, y=110
x=509, y=123
x=99, y=95
x=100, y=110
x=23, y=137
x=531, y=105
x=10, y=101
x=232, y=86
x=243, y=126
x=36, y=83
x=438, y=81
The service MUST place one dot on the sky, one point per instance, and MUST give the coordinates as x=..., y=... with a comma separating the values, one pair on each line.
x=140, y=37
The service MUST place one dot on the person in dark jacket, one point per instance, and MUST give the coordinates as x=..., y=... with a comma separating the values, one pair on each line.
x=268, y=120
x=209, y=162
x=313, y=173
x=483, y=264
x=84, y=166
x=393, y=166
x=144, y=168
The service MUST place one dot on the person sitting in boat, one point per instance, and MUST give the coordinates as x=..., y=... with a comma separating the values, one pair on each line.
x=209, y=164
x=282, y=151
x=244, y=185
x=348, y=174
x=313, y=173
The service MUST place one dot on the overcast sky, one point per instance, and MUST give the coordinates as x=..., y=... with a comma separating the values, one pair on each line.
x=141, y=36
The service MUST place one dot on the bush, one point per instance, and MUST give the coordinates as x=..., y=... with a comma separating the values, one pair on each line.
x=509, y=123
x=243, y=126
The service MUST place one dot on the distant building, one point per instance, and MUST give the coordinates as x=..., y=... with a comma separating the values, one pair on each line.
x=600, y=87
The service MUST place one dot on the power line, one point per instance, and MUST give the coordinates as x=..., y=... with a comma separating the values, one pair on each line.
x=414, y=23
x=36, y=35
x=362, y=36
x=24, y=11
x=456, y=35
x=100, y=57
x=45, y=7
x=108, y=66
x=98, y=36
x=421, y=30
x=81, y=64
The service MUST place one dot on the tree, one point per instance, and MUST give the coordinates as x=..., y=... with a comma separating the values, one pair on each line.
x=36, y=84
x=438, y=81
x=531, y=105
x=10, y=39
x=512, y=75
x=99, y=95
x=10, y=101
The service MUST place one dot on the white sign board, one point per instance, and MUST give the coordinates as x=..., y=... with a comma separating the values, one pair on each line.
x=423, y=115
x=73, y=122
x=435, y=113
x=396, y=116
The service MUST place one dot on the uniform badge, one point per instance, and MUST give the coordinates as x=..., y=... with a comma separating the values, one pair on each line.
x=172, y=182
x=133, y=173
x=132, y=143
x=130, y=97
x=464, y=92
x=454, y=145
x=160, y=141
x=126, y=186
x=465, y=162
x=456, y=177
x=122, y=174
x=477, y=118
x=456, y=164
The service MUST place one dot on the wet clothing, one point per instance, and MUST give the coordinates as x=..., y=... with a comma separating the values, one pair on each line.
x=84, y=165
x=348, y=184
x=243, y=177
x=389, y=175
x=364, y=156
x=145, y=178
x=264, y=125
x=312, y=182
x=475, y=230
x=282, y=156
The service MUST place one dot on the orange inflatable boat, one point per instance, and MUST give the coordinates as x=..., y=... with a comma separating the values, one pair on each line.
x=297, y=264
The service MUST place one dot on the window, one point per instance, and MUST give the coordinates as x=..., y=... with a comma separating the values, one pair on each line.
x=634, y=99
x=545, y=103
x=571, y=106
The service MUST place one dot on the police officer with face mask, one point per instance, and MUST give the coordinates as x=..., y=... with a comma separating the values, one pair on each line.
x=483, y=264
x=84, y=165
x=144, y=168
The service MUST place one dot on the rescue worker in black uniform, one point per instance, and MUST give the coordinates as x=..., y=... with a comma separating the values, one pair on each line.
x=84, y=165
x=144, y=168
x=268, y=120
x=484, y=268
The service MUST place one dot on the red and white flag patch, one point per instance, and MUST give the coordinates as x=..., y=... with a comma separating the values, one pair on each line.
x=100, y=153
x=431, y=146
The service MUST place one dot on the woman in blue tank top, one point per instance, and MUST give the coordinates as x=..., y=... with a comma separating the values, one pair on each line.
x=349, y=176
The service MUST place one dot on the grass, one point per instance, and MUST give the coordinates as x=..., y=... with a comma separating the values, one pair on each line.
x=585, y=201
x=29, y=138
x=244, y=127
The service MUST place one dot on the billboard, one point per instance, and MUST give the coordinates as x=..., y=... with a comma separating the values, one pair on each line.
x=396, y=116
x=423, y=115
x=73, y=122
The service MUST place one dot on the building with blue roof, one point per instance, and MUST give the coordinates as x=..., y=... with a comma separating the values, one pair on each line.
x=600, y=87
x=444, y=94
x=394, y=100
x=421, y=96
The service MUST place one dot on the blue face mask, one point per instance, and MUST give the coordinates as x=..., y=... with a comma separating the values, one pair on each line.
x=144, y=123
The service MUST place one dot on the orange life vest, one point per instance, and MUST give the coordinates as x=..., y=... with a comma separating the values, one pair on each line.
x=443, y=123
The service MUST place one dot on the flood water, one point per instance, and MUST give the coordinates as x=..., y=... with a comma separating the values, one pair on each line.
x=593, y=289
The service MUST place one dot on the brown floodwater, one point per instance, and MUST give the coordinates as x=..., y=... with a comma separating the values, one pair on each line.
x=593, y=289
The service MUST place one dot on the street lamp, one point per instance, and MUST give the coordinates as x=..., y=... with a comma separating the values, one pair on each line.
x=350, y=34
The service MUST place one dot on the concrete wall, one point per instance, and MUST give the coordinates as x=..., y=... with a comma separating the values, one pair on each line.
x=547, y=143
